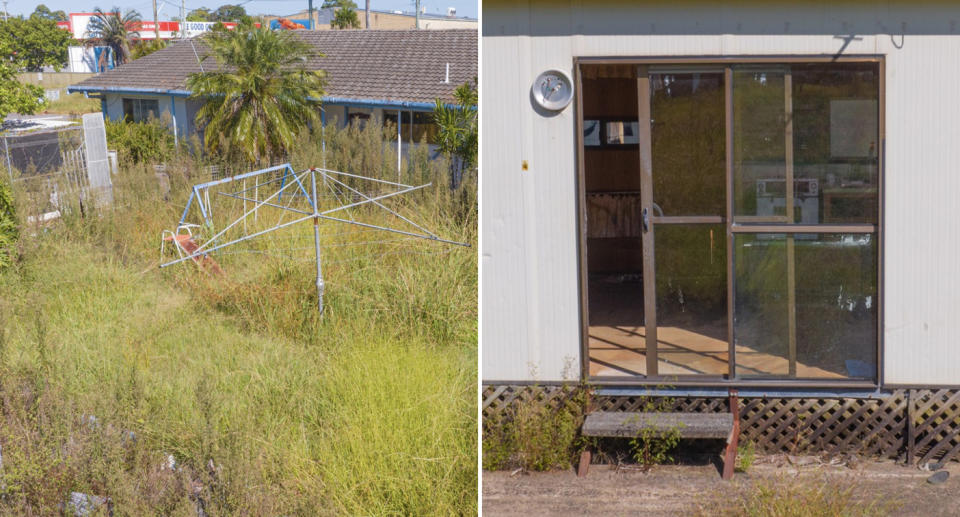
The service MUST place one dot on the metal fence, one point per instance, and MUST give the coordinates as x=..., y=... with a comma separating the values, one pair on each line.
x=49, y=170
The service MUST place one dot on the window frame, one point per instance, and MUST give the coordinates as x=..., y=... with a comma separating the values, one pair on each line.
x=136, y=112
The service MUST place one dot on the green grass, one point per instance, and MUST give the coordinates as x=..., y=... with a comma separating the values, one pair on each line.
x=266, y=407
x=72, y=104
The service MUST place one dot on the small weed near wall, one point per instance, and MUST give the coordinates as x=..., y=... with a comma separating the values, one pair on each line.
x=538, y=433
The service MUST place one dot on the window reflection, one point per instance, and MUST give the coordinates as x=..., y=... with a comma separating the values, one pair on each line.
x=817, y=123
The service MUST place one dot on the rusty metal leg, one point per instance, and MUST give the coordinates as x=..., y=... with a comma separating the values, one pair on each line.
x=730, y=454
x=584, y=466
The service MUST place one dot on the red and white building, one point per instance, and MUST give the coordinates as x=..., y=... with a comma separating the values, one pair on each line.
x=168, y=29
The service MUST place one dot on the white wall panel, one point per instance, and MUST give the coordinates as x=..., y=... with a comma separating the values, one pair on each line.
x=530, y=305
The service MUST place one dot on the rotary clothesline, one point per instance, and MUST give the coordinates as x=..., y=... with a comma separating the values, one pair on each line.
x=292, y=185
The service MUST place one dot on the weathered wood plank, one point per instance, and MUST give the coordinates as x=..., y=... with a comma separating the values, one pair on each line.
x=688, y=425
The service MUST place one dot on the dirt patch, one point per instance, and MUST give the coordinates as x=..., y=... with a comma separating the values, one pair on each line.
x=689, y=489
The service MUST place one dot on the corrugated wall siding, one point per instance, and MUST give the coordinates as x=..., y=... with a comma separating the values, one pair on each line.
x=530, y=328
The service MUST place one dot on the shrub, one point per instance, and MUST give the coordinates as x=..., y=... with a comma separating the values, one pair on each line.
x=8, y=225
x=536, y=433
x=138, y=142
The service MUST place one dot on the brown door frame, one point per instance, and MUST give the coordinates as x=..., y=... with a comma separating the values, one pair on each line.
x=643, y=64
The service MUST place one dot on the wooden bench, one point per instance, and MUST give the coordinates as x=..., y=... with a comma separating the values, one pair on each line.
x=687, y=425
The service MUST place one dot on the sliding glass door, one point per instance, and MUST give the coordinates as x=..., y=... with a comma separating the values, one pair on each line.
x=753, y=213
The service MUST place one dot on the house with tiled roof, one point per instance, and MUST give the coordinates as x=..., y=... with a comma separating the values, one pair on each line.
x=393, y=75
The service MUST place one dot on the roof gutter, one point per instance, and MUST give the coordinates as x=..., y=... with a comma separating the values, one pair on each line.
x=132, y=91
x=335, y=101
x=373, y=103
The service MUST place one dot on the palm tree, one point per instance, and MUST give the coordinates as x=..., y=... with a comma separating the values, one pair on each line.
x=260, y=96
x=114, y=31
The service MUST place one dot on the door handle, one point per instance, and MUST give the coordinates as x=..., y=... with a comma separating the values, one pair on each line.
x=645, y=220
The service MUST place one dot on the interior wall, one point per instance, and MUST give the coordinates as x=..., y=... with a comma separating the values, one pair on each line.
x=529, y=288
x=611, y=173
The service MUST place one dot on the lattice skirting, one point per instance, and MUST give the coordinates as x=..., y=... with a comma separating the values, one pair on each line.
x=916, y=426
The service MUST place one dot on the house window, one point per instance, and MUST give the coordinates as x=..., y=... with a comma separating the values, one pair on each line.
x=140, y=110
x=748, y=209
x=359, y=119
x=415, y=126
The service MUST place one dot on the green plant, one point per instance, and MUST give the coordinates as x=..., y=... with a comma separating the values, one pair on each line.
x=229, y=13
x=200, y=14
x=15, y=96
x=653, y=447
x=138, y=142
x=9, y=232
x=263, y=95
x=145, y=48
x=537, y=433
x=345, y=16
x=746, y=454
x=36, y=42
x=458, y=127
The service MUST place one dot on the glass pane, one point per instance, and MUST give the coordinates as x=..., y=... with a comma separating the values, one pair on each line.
x=591, y=133
x=836, y=140
x=622, y=132
x=691, y=265
x=832, y=111
x=830, y=280
x=688, y=143
x=759, y=133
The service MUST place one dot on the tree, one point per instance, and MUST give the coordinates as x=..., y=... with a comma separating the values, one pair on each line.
x=199, y=15
x=16, y=97
x=35, y=42
x=43, y=11
x=457, y=125
x=229, y=13
x=146, y=47
x=345, y=16
x=260, y=96
x=114, y=31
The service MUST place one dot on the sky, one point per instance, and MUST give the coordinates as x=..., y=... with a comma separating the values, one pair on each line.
x=170, y=9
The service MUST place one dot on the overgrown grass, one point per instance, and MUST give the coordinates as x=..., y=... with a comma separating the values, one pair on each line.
x=265, y=407
x=72, y=104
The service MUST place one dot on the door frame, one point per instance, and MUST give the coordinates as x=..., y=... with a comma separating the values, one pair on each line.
x=646, y=169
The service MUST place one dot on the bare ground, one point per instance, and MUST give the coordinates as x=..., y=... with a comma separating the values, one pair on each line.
x=697, y=488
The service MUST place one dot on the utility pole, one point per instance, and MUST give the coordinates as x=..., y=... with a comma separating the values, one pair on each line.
x=156, y=24
x=368, y=14
x=183, y=19
x=310, y=12
x=5, y=14
x=418, y=13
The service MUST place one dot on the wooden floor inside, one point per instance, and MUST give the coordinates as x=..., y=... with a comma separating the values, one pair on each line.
x=621, y=351
x=687, y=344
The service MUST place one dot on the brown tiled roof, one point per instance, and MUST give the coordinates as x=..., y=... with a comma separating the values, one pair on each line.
x=373, y=65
